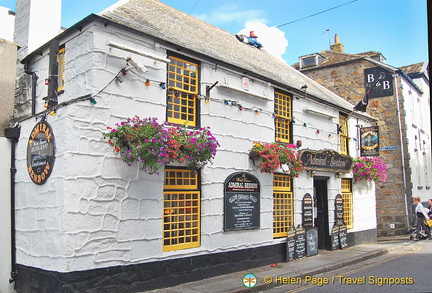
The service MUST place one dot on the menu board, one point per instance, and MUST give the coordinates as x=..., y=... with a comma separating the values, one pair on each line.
x=339, y=210
x=307, y=208
x=300, y=242
x=312, y=241
x=291, y=244
x=343, y=236
x=335, y=238
x=242, y=202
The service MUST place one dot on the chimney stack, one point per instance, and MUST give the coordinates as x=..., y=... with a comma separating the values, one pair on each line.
x=36, y=22
x=337, y=46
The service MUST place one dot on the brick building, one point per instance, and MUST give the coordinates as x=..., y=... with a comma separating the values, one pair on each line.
x=401, y=103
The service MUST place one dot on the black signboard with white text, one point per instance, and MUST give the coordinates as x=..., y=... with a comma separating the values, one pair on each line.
x=335, y=238
x=339, y=210
x=242, y=202
x=312, y=241
x=300, y=242
x=307, y=210
x=379, y=81
x=291, y=244
x=343, y=236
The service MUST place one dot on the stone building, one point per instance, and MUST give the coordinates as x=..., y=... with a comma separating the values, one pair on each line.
x=85, y=220
x=8, y=51
x=399, y=98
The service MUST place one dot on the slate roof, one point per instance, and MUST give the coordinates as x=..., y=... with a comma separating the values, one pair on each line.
x=332, y=57
x=166, y=23
x=422, y=67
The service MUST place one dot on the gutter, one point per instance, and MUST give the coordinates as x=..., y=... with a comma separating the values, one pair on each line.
x=13, y=134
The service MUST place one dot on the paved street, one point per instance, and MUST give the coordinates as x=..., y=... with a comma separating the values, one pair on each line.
x=354, y=262
x=397, y=271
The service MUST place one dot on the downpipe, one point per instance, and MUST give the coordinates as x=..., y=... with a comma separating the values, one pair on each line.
x=13, y=133
x=402, y=153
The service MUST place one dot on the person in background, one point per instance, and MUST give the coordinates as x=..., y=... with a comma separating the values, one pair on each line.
x=422, y=215
x=430, y=208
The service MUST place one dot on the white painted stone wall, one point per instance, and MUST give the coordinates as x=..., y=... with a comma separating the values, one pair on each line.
x=417, y=115
x=5, y=216
x=364, y=215
x=95, y=211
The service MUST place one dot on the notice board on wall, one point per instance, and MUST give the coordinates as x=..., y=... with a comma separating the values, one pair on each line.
x=241, y=202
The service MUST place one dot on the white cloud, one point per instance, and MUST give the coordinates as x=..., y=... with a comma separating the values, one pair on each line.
x=231, y=13
x=272, y=38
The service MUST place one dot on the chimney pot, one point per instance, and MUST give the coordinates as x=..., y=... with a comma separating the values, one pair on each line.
x=337, y=46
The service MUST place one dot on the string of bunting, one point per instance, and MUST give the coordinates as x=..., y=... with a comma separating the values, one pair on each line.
x=123, y=72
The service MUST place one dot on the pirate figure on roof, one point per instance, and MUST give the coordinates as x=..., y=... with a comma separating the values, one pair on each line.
x=251, y=40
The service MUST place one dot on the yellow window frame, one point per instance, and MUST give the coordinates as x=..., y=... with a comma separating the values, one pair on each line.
x=181, y=210
x=182, y=92
x=60, y=58
x=283, y=117
x=347, y=202
x=283, y=205
x=343, y=134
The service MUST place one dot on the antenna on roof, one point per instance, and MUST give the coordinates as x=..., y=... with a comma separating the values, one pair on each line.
x=328, y=31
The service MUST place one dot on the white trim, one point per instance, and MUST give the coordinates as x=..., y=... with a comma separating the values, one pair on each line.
x=136, y=51
x=244, y=91
x=315, y=112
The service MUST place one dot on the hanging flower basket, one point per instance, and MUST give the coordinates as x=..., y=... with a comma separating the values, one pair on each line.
x=273, y=156
x=154, y=145
x=369, y=169
x=196, y=148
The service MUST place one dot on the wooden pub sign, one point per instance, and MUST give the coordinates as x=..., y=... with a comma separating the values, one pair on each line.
x=326, y=160
x=369, y=141
x=40, y=153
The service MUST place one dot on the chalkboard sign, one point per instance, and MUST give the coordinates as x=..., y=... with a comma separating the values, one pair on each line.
x=242, y=202
x=300, y=242
x=335, y=237
x=307, y=210
x=343, y=236
x=339, y=210
x=312, y=241
x=291, y=244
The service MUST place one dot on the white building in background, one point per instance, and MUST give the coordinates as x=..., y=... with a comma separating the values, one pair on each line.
x=7, y=22
x=418, y=117
x=87, y=221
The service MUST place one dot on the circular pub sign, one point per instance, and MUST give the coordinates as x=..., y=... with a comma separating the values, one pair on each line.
x=40, y=153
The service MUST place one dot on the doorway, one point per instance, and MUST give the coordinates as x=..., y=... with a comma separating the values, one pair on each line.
x=322, y=217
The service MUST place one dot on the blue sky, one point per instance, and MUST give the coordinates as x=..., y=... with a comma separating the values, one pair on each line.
x=396, y=28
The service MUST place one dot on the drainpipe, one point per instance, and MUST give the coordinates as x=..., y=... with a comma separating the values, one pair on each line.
x=13, y=134
x=402, y=151
x=33, y=86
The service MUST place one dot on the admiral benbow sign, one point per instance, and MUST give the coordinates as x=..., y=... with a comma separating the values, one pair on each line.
x=40, y=153
x=326, y=160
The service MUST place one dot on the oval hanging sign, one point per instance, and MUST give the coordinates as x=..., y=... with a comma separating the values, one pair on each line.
x=40, y=153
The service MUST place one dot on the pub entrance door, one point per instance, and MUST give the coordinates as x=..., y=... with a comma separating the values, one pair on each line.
x=322, y=217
